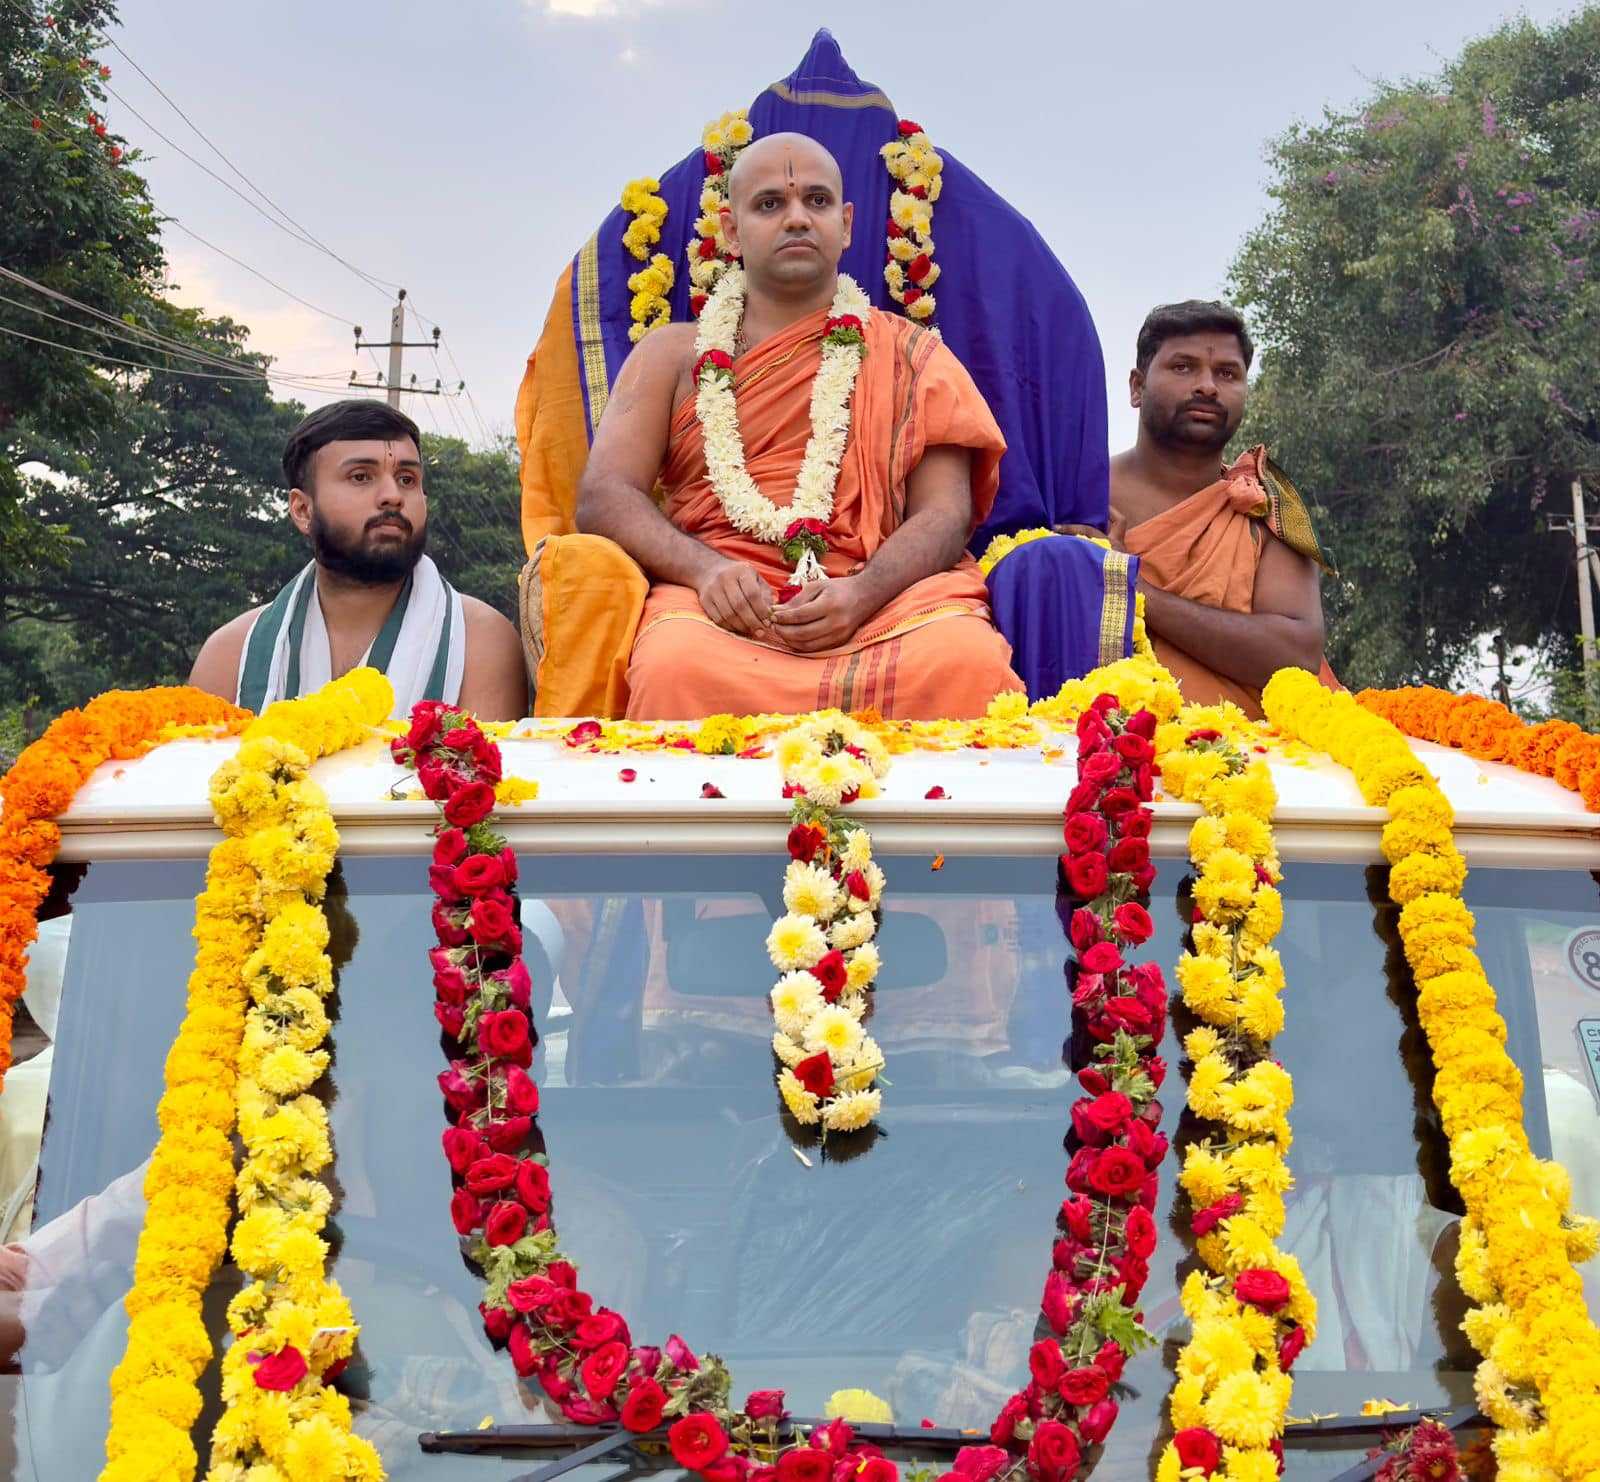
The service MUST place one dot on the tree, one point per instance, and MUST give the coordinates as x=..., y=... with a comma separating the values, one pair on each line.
x=78, y=220
x=1425, y=296
x=473, y=529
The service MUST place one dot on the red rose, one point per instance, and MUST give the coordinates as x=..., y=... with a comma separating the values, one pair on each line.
x=505, y=1224
x=1059, y=1303
x=523, y=1357
x=911, y=295
x=478, y=873
x=503, y=1034
x=1084, y=1386
x=713, y=163
x=461, y=1093
x=1141, y=723
x=1046, y=1364
x=533, y=1185
x=698, y=301
x=585, y=732
x=815, y=1073
x=1099, y=767
x=1261, y=1288
x=1140, y=1233
x=936, y=794
x=1096, y=1423
x=805, y=1465
x=1084, y=929
x=1083, y=796
x=806, y=841
x=877, y=1469
x=1075, y=1215
x=601, y=1370
x=1015, y=1410
x=1128, y=855
x=516, y=983
x=1111, y=1358
x=765, y=1404
x=907, y=128
x=1103, y=957
x=491, y=920
x=1084, y=832
x=1290, y=1347
x=919, y=267
x=787, y=593
x=587, y=1412
x=1133, y=748
x=462, y=1147
x=856, y=883
x=680, y=1353
x=1116, y=1172
x=1130, y=1014
x=282, y=1370
x=711, y=790
x=1131, y=921
x=522, y=1095
x=981, y=1463
x=1053, y=1453
x=452, y=1018
x=1198, y=1447
x=490, y=1175
x=714, y=360
x=497, y=1322
x=1086, y=874
x=506, y=1135
x=1119, y=800
x=696, y=1441
x=531, y=1293
x=447, y=927
x=451, y=984
x=569, y=1308
x=1108, y=1113
x=469, y=804
x=450, y=848
x=643, y=1408
x=466, y=1213
x=1146, y=1144
x=1204, y=1221
x=1136, y=825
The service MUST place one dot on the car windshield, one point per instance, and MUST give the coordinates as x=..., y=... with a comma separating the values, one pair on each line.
x=907, y=1261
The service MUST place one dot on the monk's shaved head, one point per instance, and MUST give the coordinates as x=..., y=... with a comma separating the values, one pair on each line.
x=792, y=156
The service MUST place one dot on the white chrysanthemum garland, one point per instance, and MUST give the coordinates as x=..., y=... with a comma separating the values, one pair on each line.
x=822, y=944
x=917, y=169
x=843, y=345
x=710, y=256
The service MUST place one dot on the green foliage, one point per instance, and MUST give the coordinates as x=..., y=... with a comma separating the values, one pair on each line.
x=1425, y=295
x=473, y=529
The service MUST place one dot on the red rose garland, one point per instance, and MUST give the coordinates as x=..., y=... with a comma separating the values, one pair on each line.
x=1108, y=1232
x=583, y=1356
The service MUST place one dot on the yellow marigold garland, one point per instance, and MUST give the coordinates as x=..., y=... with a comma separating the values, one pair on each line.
x=1539, y=1380
x=822, y=944
x=710, y=255
x=41, y=785
x=1254, y=1313
x=649, y=307
x=916, y=168
x=278, y=834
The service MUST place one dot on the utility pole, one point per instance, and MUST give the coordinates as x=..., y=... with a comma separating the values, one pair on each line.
x=1585, y=557
x=397, y=344
x=1502, y=685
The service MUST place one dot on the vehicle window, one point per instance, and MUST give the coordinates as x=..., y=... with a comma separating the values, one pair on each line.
x=909, y=1261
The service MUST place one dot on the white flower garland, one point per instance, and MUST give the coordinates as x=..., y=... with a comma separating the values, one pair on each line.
x=710, y=256
x=822, y=944
x=747, y=508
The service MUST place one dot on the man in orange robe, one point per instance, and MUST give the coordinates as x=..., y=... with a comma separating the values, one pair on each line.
x=902, y=624
x=1228, y=559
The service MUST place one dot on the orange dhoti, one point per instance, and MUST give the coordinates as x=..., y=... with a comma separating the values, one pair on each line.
x=930, y=653
x=1207, y=548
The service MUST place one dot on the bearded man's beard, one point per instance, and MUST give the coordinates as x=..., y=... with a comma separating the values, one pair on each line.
x=368, y=565
x=1174, y=430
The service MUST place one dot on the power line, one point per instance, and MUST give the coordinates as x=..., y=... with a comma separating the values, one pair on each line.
x=472, y=401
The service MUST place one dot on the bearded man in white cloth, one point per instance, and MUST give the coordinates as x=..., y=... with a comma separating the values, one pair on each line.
x=369, y=595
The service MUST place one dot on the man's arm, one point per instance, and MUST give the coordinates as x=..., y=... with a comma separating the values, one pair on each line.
x=614, y=493
x=929, y=540
x=216, y=666
x=494, y=684
x=1284, y=630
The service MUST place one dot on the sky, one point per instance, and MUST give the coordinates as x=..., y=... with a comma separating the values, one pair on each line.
x=466, y=150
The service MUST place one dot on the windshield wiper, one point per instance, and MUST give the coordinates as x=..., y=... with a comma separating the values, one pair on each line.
x=614, y=1443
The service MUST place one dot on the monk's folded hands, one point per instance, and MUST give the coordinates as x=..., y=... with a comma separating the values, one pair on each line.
x=824, y=615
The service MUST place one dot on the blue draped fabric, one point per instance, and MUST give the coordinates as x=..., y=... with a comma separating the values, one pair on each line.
x=1006, y=307
x=1066, y=606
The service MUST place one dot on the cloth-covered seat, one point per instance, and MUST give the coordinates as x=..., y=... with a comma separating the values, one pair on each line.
x=1005, y=306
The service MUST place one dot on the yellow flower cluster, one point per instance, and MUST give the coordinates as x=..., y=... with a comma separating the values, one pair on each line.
x=642, y=201
x=1540, y=1376
x=1231, y=1376
x=1139, y=683
x=649, y=307
x=278, y=835
x=917, y=169
x=823, y=943
x=724, y=138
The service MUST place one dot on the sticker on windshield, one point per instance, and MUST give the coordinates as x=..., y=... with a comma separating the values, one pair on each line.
x=1583, y=955
x=1589, y=1038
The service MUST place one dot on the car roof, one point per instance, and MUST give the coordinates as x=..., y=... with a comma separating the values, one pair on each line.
x=995, y=802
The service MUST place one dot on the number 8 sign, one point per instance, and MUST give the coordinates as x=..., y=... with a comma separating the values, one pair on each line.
x=1583, y=956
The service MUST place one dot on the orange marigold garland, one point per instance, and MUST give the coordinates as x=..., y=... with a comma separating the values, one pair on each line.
x=41, y=786
x=1489, y=731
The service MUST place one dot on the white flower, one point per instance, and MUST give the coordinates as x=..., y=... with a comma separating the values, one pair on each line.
x=801, y=1103
x=833, y=1029
x=852, y=931
x=862, y=1067
x=875, y=883
x=795, y=941
x=787, y=1050
x=857, y=852
x=852, y=1110
x=795, y=999
x=864, y=966
x=809, y=890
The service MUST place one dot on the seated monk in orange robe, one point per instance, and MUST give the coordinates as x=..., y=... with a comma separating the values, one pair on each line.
x=902, y=623
x=1228, y=560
